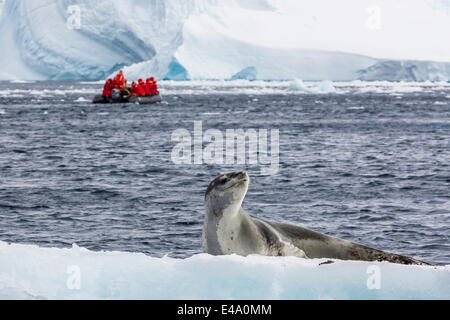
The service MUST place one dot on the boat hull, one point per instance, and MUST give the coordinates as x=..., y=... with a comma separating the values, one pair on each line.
x=99, y=99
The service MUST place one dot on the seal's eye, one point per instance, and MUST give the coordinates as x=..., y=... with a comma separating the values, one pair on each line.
x=223, y=181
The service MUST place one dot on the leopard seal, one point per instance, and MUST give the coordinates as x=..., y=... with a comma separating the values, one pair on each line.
x=229, y=229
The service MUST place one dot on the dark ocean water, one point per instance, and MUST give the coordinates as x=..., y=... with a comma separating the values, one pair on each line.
x=366, y=165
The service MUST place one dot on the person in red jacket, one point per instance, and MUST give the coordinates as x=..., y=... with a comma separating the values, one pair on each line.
x=134, y=89
x=148, y=87
x=141, y=88
x=107, y=89
x=120, y=81
x=153, y=86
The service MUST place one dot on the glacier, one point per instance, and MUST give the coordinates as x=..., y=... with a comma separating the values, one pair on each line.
x=32, y=272
x=228, y=43
x=112, y=34
x=406, y=70
x=212, y=56
x=223, y=40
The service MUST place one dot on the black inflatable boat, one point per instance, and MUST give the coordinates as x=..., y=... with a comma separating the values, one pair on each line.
x=99, y=99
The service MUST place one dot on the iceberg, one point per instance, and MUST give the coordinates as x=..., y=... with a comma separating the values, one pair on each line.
x=220, y=44
x=176, y=72
x=406, y=71
x=326, y=87
x=47, y=40
x=111, y=34
x=322, y=87
x=32, y=272
x=298, y=85
x=249, y=73
x=215, y=57
x=221, y=40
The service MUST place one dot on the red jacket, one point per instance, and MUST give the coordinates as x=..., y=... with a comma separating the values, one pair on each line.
x=140, y=90
x=148, y=88
x=155, y=88
x=134, y=89
x=120, y=81
x=152, y=88
x=107, y=89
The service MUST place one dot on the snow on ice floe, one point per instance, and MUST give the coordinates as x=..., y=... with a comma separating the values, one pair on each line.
x=31, y=272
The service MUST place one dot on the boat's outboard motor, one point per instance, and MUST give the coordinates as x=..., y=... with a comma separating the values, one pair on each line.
x=116, y=95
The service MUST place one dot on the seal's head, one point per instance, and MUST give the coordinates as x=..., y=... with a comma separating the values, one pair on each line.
x=226, y=193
